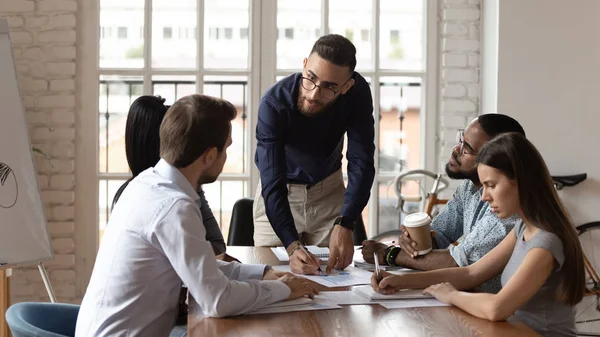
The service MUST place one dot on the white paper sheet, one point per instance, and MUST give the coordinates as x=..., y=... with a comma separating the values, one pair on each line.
x=338, y=278
x=305, y=304
x=320, y=252
x=402, y=294
x=349, y=297
x=291, y=303
x=412, y=303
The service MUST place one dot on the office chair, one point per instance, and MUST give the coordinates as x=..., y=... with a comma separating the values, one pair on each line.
x=241, y=227
x=37, y=319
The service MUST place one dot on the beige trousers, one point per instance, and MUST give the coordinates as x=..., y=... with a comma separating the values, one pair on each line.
x=314, y=210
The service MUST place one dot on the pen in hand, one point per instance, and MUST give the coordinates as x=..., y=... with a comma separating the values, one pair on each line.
x=377, y=269
x=310, y=257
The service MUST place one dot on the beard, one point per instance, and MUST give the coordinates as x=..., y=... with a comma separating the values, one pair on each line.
x=460, y=175
x=207, y=179
x=312, y=111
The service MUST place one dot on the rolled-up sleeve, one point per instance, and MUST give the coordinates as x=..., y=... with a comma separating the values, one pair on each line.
x=241, y=272
x=270, y=159
x=486, y=235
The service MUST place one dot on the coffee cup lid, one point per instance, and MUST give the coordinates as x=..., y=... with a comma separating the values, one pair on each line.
x=416, y=220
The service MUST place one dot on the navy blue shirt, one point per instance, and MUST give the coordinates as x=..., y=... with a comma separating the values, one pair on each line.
x=294, y=148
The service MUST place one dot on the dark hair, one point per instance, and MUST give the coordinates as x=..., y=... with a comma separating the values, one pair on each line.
x=519, y=160
x=337, y=50
x=494, y=124
x=142, y=144
x=192, y=125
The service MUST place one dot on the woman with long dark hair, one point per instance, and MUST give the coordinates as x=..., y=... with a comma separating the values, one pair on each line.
x=142, y=147
x=541, y=260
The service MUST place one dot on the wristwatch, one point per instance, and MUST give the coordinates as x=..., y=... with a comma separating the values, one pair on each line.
x=345, y=222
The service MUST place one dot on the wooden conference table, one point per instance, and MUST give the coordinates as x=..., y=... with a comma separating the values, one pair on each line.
x=352, y=320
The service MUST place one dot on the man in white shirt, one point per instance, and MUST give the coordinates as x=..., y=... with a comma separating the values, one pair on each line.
x=155, y=239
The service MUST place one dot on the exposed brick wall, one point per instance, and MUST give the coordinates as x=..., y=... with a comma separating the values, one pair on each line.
x=43, y=37
x=459, y=71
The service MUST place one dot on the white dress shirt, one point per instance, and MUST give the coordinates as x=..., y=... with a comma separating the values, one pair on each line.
x=154, y=241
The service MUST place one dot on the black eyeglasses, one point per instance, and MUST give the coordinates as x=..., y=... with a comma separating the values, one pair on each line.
x=463, y=148
x=310, y=85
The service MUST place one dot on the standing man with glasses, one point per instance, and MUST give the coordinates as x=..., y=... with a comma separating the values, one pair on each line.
x=302, y=119
x=467, y=228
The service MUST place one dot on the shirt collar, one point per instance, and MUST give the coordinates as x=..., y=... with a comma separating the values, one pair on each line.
x=171, y=173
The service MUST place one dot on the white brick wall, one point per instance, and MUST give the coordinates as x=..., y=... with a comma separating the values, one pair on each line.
x=459, y=65
x=43, y=34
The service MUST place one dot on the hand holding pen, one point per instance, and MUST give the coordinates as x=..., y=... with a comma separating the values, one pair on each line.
x=377, y=269
x=302, y=261
x=312, y=258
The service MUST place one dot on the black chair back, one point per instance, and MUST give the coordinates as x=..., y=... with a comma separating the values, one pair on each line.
x=241, y=227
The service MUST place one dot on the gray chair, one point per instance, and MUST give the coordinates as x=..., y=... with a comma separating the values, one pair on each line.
x=37, y=319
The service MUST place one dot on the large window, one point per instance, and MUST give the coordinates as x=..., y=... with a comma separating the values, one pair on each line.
x=238, y=60
x=168, y=60
x=389, y=36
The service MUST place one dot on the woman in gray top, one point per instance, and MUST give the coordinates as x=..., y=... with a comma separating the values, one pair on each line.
x=541, y=261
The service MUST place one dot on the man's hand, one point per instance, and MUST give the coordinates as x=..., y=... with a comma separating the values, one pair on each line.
x=227, y=258
x=407, y=244
x=341, y=248
x=299, y=286
x=272, y=274
x=372, y=246
x=302, y=262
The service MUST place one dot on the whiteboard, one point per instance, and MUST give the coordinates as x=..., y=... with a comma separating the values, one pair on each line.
x=23, y=229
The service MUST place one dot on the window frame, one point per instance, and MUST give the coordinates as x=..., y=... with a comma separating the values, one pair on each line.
x=262, y=32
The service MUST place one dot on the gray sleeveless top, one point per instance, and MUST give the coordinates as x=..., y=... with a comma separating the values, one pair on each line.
x=543, y=312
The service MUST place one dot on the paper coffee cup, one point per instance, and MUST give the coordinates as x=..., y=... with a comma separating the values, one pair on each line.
x=418, y=226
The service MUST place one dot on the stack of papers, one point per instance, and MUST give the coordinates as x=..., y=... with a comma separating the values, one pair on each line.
x=401, y=295
x=414, y=303
x=363, y=295
x=408, y=298
x=300, y=304
x=320, y=252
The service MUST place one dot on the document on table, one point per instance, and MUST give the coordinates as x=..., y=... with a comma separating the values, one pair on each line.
x=400, y=295
x=300, y=304
x=356, y=297
x=412, y=303
x=350, y=276
x=320, y=252
x=348, y=297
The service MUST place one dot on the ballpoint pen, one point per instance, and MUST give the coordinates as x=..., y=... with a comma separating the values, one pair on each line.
x=377, y=269
x=310, y=257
